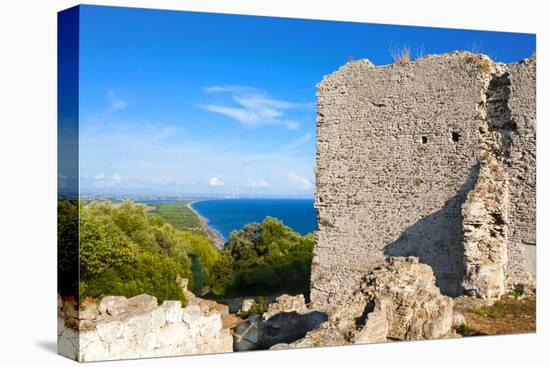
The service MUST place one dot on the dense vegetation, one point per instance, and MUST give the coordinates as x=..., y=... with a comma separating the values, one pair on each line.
x=261, y=259
x=67, y=248
x=124, y=251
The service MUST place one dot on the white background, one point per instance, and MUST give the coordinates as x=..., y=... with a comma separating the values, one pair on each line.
x=28, y=184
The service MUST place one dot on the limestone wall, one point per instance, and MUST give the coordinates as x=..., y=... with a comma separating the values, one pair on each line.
x=398, y=150
x=137, y=328
x=522, y=168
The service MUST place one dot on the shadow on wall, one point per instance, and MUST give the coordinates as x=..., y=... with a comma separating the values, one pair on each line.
x=437, y=240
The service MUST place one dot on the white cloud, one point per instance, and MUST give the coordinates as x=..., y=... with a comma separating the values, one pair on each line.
x=258, y=184
x=115, y=102
x=231, y=88
x=101, y=181
x=254, y=107
x=240, y=114
x=300, y=181
x=215, y=181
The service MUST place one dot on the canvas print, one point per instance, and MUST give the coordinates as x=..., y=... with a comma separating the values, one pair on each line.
x=230, y=183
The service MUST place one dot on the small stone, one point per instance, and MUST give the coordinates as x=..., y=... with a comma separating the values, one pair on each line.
x=143, y=302
x=286, y=303
x=247, y=304
x=89, y=311
x=70, y=308
x=208, y=306
x=113, y=305
x=458, y=319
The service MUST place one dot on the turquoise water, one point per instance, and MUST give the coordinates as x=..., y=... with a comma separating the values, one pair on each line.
x=226, y=215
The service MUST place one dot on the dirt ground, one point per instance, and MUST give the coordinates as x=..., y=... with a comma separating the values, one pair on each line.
x=511, y=315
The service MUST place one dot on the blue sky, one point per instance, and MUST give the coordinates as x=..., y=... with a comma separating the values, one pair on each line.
x=212, y=104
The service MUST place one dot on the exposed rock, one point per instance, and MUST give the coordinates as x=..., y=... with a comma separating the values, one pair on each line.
x=485, y=222
x=89, y=311
x=138, y=328
x=70, y=308
x=287, y=320
x=207, y=305
x=113, y=305
x=458, y=320
x=286, y=327
x=398, y=301
x=230, y=321
x=247, y=304
x=286, y=303
x=142, y=302
x=407, y=304
x=204, y=304
x=184, y=283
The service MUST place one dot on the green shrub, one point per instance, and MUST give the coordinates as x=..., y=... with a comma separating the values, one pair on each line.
x=259, y=307
x=516, y=293
x=125, y=252
x=263, y=258
x=67, y=247
x=150, y=273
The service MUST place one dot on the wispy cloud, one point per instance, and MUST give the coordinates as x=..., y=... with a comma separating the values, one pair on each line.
x=300, y=181
x=232, y=89
x=215, y=181
x=254, y=107
x=127, y=154
x=115, y=102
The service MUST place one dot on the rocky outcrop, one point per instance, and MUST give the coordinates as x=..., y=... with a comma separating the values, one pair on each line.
x=286, y=303
x=287, y=320
x=485, y=220
x=405, y=303
x=121, y=328
x=397, y=301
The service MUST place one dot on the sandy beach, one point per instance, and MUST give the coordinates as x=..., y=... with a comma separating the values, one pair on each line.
x=212, y=234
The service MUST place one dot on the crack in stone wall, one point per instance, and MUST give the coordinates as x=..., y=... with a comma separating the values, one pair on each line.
x=485, y=212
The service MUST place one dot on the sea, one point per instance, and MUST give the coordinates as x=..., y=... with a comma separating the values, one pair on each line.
x=226, y=215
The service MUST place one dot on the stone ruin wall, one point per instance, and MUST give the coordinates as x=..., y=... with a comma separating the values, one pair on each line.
x=522, y=168
x=120, y=328
x=398, y=150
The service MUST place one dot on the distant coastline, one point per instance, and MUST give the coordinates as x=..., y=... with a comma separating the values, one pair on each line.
x=213, y=234
x=231, y=214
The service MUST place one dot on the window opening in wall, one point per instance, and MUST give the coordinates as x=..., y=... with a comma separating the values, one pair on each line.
x=456, y=136
x=424, y=140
